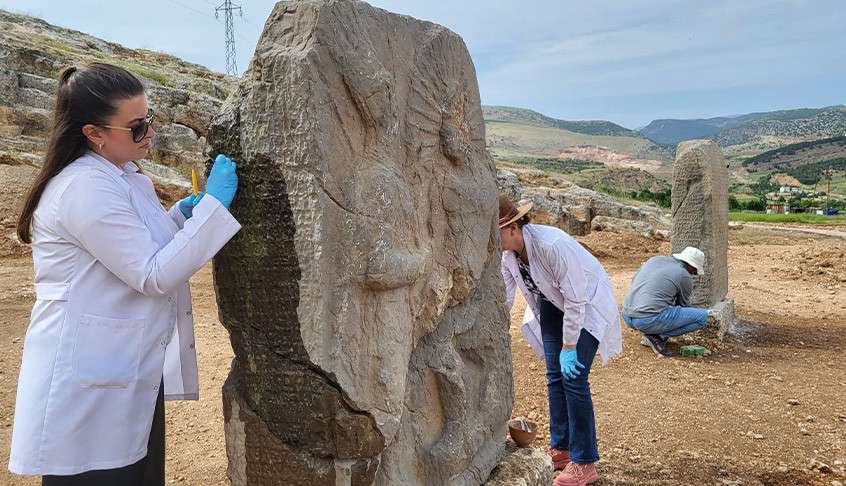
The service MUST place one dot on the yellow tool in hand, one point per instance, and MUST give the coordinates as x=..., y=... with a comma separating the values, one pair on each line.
x=194, y=181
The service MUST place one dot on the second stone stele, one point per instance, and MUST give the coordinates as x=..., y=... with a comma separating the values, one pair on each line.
x=700, y=219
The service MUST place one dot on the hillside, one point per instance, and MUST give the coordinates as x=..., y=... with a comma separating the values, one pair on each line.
x=33, y=52
x=798, y=154
x=769, y=133
x=675, y=131
x=594, y=154
x=523, y=138
x=805, y=163
x=753, y=131
x=528, y=117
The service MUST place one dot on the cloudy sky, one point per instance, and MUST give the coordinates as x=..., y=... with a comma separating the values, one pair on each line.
x=628, y=61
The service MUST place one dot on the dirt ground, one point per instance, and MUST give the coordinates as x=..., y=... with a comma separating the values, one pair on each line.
x=766, y=407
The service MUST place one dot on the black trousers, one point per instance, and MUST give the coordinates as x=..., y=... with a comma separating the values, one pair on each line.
x=149, y=471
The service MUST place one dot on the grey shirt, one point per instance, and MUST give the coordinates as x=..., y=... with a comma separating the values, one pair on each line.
x=661, y=282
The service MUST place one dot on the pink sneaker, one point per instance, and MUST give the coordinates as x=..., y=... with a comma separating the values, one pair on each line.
x=560, y=459
x=576, y=475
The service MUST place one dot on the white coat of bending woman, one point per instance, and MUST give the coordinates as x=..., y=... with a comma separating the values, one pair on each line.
x=574, y=317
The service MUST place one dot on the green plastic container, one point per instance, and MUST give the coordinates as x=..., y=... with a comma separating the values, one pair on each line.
x=693, y=350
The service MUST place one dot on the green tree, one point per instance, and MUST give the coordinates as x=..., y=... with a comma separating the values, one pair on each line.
x=764, y=185
x=734, y=204
x=757, y=204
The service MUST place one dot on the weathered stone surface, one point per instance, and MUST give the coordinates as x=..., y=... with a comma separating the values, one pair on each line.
x=363, y=295
x=618, y=225
x=700, y=219
x=522, y=467
x=177, y=145
x=700, y=215
x=573, y=208
x=509, y=184
x=724, y=317
x=549, y=209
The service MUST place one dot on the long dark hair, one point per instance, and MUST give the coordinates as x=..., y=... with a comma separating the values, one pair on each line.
x=85, y=96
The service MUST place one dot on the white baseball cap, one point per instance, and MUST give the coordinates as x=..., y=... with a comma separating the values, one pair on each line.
x=693, y=257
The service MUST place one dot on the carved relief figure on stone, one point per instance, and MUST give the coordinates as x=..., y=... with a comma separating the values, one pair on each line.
x=576, y=316
x=362, y=297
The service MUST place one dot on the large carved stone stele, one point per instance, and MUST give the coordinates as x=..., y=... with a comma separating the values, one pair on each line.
x=363, y=295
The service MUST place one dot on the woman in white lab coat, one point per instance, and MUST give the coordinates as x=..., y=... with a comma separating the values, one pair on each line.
x=111, y=334
x=571, y=295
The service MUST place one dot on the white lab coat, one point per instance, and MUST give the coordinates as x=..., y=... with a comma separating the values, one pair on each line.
x=573, y=280
x=112, y=317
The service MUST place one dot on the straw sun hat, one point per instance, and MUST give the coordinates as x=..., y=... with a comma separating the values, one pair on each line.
x=509, y=213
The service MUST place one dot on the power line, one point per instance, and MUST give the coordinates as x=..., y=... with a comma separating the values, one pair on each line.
x=252, y=23
x=227, y=7
x=188, y=7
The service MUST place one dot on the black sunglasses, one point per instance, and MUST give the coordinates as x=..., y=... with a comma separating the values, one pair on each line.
x=138, y=131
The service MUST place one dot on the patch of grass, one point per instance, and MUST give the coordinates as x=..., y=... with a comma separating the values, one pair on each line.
x=804, y=218
x=95, y=55
x=510, y=114
x=156, y=76
x=135, y=69
x=59, y=45
x=838, y=184
x=553, y=165
x=736, y=161
x=743, y=198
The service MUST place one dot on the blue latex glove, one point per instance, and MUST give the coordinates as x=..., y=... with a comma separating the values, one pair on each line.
x=223, y=181
x=570, y=366
x=186, y=204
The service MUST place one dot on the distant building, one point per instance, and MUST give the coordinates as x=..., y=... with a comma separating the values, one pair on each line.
x=788, y=190
x=776, y=207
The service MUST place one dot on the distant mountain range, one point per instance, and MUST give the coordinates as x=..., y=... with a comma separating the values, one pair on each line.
x=801, y=143
x=748, y=133
x=524, y=116
x=785, y=126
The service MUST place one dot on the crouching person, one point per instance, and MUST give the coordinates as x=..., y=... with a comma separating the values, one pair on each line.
x=658, y=302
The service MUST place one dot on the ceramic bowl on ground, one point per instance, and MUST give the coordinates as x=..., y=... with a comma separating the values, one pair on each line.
x=522, y=437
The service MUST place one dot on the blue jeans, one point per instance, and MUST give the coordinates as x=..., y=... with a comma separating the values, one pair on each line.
x=672, y=321
x=572, y=426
